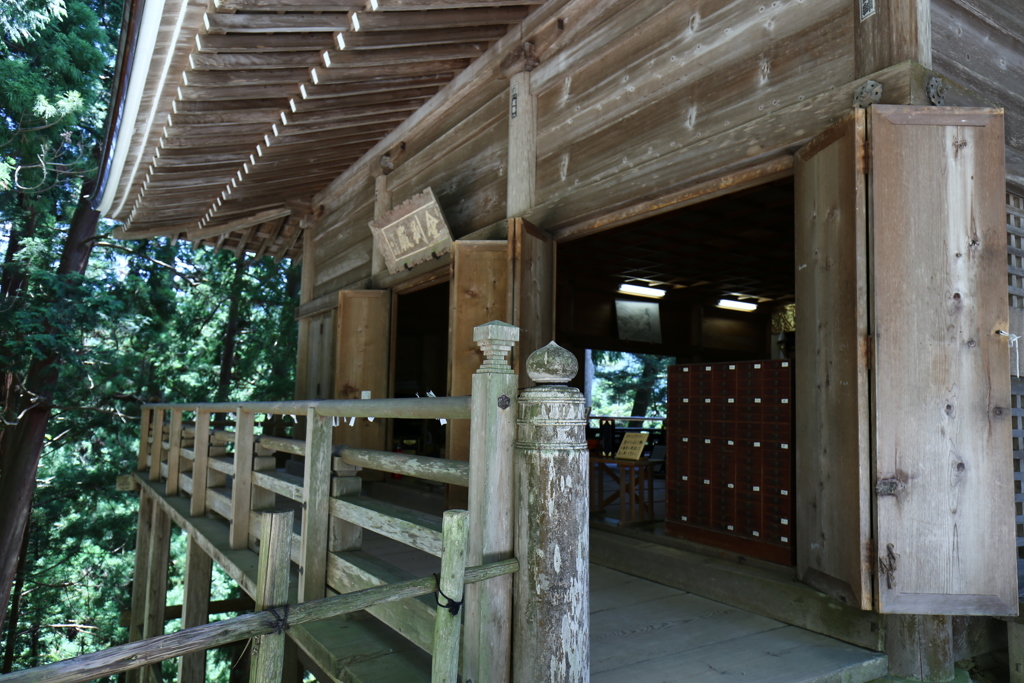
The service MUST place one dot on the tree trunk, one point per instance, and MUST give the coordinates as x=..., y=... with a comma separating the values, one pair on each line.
x=227, y=359
x=645, y=385
x=21, y=456
x=12, y=621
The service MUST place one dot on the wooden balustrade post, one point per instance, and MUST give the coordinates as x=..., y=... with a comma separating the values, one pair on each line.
x=447, y=624
x=200, y=464
x=156, y=582
x=195, y=608
x=552, y=586
x=156, y=448
x=145, y=422
x=487, y=652
x=174, y=453
x=315, y=506
x=272, y=591
x=140, y=584
x=241, y=487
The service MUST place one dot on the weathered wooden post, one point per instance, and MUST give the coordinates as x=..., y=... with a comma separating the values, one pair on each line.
x=448, y=623
x=272, y=591
x=487, y=652
x=241, y=487
x=195, y=608
x=552, y=588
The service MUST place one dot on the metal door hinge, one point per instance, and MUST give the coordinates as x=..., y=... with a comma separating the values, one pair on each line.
x=936, y=90
x=869, y=92
x=887, y=565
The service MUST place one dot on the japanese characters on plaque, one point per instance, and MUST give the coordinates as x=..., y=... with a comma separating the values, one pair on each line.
x=413, y=232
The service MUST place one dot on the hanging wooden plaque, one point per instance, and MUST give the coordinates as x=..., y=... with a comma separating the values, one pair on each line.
x=413, y=232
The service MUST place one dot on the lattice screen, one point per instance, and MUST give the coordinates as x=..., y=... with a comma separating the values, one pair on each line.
x=1015, y=280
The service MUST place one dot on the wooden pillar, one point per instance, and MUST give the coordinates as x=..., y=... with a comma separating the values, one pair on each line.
x=315, y=508
x=146, y=422
x=920, y=647
x=492, y=435
x=522, y=132
x=156, y=581
x=174, y=452
x=241, y=488
x=306, y=287
x=272, y=591
x=156, y=448
x=887, y=32
x=381, y=205
x=200, y=464
x=140, y=584
x=552, y=587
x=195, y=608
x=1015, y=645
x=448, y=622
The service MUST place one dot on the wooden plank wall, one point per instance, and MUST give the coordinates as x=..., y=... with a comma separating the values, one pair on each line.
x=634, y=99
x=463, y=161
x=647, y=98
x=980, y=45
x=343, y=245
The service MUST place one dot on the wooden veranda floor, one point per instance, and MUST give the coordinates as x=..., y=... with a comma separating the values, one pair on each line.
x=641, y=631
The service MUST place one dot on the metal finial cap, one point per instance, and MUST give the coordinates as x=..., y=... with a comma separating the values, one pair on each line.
x=552, y=365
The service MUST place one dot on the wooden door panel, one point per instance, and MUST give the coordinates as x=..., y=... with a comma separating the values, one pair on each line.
x=479, y=294
x=532, y=294
x=832, y=413
x=363, y=332
x=944, y=478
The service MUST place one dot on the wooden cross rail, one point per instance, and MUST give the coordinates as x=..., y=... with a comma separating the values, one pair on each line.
x=442, y=407
x=144, y=652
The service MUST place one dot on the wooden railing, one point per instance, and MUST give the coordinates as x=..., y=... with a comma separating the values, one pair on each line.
x=231, y=471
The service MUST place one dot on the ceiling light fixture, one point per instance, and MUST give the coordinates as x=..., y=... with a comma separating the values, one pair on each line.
x=745, y=306
x=637, y=290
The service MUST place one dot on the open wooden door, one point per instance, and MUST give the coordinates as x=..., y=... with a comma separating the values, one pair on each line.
x=833, y=458
x=319, y=359
x=531, y=253
x=361, y=362
x=941, y=389
x=480, y=286
x=903, y=411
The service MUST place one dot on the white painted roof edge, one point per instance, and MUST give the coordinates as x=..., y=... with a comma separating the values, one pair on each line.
x=149, y=27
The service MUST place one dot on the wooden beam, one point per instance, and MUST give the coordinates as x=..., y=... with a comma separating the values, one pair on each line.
x=419, y=5
x=437, y=19
x=384, y=85
x=897, y=31
x=209, y=93
x=386, y=96
x=402, y=55
x=439, y=36
x=320, y=75
x=263, y=42
x=249, y=77
x=241, y=489
x=287, y=5
x=450, y=584
x=258, y=60
x=240, y=223
x=156, y=582
x=276, y=23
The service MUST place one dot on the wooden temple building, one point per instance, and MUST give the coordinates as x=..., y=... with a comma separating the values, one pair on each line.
x=440, y=164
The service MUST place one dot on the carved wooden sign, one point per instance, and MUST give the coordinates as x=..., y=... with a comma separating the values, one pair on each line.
x=413, y=232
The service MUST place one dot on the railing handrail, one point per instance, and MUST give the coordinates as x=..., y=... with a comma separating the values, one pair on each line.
x=634, y=418
x=141, y=653
x=442, y=407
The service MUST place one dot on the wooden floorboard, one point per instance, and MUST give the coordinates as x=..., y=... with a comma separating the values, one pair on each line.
x=641, y=630
x=645, y=632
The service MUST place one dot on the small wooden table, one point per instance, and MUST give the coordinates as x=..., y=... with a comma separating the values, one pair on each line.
x=635, y=492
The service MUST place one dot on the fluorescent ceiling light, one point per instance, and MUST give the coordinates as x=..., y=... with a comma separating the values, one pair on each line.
x=637, y=290
x=746, y=306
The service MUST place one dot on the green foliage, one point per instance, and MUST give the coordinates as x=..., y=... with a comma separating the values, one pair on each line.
x=146, y=318
x=630, y=385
